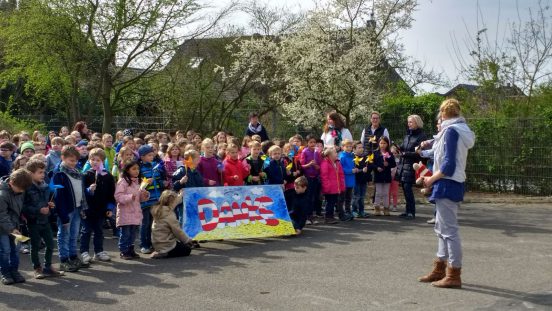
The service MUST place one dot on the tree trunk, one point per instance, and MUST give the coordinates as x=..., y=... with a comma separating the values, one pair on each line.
x=106, y=89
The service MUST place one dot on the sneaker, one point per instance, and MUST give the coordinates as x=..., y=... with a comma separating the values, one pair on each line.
x=86, y=259
x=6, y=280
x=363, y=215
x=144, y=250
x=330, y=220
x=431, y=221
x=410, y=217
x=126, y=256
x=195, y=244
x=39, y=274
x=394, y=209
x=80, y=264
x=356, y=214
x=158, y=255
x=346, y=217
x=67, y=266
x=17, y=277
x=102, y=256
x=133, y=253
x=51, y=272
x=403, y=215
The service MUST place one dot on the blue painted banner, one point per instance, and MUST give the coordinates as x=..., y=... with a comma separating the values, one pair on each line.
x=215, y=213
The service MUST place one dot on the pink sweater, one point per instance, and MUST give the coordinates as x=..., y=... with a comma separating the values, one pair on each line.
x=128, y=209
x=332, y=177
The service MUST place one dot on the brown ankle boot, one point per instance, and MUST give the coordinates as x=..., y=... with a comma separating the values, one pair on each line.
x=438, y=272
x=451, y=280
x=386, y=211
x=377, y=211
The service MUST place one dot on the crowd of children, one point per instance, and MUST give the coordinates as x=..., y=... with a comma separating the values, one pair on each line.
x=72, y=184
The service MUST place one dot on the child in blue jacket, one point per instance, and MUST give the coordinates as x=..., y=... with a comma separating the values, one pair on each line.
x=347, y=159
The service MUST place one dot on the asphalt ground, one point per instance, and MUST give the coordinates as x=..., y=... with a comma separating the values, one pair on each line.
x=366, y=264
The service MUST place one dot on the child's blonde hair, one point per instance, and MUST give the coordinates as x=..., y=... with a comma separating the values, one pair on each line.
x=254, y=144
x=246, y=141
x=328, y=150
x=346, y=142
x=257, y=138
x=97, y=152
x=273, y=149
x=206, y=142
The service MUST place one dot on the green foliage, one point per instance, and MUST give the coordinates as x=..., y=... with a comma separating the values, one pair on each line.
x=13, y=125
x=398, y=108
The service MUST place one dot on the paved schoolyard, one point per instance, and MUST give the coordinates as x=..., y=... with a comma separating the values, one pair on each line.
x=367, y=264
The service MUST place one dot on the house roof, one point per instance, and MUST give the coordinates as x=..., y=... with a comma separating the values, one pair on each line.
x=207, y=48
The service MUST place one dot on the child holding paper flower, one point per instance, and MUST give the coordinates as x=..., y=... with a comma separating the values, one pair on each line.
x=11, y=203
x=384, y=161
x=128, y=195
x=36, y=210
x=100, y=190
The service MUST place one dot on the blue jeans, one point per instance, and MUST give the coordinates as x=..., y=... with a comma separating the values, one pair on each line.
x=67, y=236
x=145, y=229
x=314, y=196
x=90, y=226
x=9, y=255
x=409, y=197
x=358, y=197
x=127, y=235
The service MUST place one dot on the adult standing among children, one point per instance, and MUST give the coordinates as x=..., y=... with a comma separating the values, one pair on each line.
x=335, y=131
x=450, y=151
x=82, y=128
x=405, y=172
x=372, y=133
x=255, y=127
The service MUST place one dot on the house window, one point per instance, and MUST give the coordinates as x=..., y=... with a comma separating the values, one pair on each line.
x=195, y=62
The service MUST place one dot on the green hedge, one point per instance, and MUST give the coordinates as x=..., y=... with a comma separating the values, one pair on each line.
x=14, y=125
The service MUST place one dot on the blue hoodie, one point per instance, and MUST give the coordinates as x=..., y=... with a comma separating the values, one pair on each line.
x=347, y=160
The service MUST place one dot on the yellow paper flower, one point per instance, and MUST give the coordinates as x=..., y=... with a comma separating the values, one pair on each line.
x=358, y=160
x=144, y=184
x=371, y=158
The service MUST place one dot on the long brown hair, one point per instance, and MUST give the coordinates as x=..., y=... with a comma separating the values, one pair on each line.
x=339, y=124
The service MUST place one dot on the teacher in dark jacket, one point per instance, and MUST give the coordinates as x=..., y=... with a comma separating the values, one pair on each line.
x=405, y=172
x=256, y=128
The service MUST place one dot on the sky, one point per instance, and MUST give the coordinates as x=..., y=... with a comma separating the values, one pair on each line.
x=442, y=27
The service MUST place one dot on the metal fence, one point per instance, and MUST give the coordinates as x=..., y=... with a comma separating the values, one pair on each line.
x=510, y=155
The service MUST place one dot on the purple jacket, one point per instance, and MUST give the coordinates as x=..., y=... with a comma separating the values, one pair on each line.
x=209, y=169
x=306, y=156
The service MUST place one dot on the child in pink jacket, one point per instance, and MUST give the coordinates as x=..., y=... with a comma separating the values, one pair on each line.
x=129, y=213
x=333, y=185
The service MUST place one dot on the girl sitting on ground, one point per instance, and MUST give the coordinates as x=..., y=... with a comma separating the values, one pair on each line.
x=168, y=239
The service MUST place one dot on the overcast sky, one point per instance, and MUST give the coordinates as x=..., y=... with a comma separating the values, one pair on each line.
x=437, y=22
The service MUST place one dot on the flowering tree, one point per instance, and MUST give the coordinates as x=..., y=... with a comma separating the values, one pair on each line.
x=337, y=59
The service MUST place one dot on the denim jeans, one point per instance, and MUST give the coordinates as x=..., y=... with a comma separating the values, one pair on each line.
x=90, y=226
x=314, y=196
x=358, y=197
x=127, y=235
x=67, y=236
x=409, y=197
x=145, y=229
x=9, y=255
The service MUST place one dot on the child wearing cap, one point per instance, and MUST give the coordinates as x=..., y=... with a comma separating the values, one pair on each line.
x=154, y=172
x=27, y=149
x=82, y=147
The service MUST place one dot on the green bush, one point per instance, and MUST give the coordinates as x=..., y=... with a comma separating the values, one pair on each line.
x=14, y=125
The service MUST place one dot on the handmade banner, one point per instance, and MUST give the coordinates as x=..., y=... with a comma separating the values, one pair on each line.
x=215, y=213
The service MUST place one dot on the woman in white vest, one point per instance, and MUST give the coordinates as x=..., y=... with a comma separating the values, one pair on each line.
x=335, y=131
x=451, y=151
